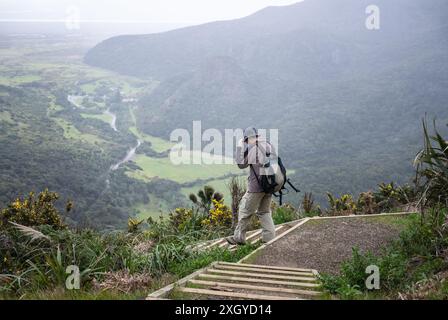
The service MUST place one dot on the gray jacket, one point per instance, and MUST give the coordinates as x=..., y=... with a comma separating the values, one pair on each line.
x=251, y=155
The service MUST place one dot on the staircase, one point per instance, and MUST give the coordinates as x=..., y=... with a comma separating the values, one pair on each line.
x=224, y=280
x=252, y=237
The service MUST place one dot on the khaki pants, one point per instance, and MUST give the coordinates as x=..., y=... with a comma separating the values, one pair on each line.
x=258, y=203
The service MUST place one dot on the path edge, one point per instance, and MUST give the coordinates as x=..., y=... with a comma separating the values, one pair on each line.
x=305, y=220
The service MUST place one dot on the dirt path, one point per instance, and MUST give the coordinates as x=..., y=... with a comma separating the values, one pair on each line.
x=324, y=244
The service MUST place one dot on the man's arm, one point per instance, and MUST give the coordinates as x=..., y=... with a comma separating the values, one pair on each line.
x=241, y=155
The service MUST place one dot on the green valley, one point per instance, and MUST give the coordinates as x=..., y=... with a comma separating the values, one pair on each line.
x=77, y=109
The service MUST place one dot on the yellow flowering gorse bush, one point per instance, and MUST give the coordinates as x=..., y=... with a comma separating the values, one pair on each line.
x=220, y=215
x=33, y=211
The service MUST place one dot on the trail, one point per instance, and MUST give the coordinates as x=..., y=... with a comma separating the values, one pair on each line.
x=325, y=243
x=287, y=267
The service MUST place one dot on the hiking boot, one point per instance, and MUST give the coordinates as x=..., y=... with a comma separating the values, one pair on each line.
x=231, y=240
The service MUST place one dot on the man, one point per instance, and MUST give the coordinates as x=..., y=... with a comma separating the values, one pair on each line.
x=252, y=152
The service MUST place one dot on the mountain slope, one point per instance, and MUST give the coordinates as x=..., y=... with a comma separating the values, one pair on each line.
x=279, y=39
x=348, y=101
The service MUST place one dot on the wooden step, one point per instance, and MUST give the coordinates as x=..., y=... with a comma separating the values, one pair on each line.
x=253, y=237
x=267, y=271
x=256, y=281
x=214, y=243
x=255, y=288
x=241, y=295
x=261, y=275
x=267, y=267
x=249, y=237
x=278, y=230
x=257, y=237
x=246, y=281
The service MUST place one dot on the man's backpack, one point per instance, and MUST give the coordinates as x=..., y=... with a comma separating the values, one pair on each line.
x=273, y=178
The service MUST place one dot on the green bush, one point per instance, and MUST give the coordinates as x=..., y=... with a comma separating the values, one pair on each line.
x=285, y=213
x=33, y=211
x=432, y=167
x=390, y=196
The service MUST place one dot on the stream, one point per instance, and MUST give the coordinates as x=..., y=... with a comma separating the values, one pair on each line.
x=130, y=154
x=113, y=121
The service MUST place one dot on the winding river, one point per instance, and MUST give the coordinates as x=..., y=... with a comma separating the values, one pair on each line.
x=113, y=121
x=130, y=154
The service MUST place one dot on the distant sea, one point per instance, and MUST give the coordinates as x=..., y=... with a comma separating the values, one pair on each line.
x=100, y=30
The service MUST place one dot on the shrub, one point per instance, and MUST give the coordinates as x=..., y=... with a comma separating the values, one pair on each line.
x=390, y=196
x=432, y=167
x=355, y=270
x=344, y=205
x=133, y=225
x=180, y=218
x=34, y=211
x=309, y=207
x=220, y=215
x=34, y=259
x=285, y=213
x=366, y=203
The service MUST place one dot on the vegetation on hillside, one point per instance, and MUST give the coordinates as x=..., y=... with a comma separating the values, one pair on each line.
x=37, y=247
x=56, y=133
x=388, y=197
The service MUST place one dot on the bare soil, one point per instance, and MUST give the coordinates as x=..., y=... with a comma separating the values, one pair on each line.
x=325, y=243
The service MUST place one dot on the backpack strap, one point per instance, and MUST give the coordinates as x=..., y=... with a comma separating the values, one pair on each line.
x=292, y=186
x=256, y=161
x=255, y=174
x=283, y=191
x=279, y=196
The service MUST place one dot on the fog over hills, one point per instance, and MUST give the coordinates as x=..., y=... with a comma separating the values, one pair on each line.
x=347, y=100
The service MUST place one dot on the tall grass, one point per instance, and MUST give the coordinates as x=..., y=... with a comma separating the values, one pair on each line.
x=35, y=263
x=432, y=167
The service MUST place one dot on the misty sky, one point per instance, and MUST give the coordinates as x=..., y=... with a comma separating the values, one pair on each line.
x=152, y=11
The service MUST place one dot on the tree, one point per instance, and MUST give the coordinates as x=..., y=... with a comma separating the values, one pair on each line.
x=206, y=196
